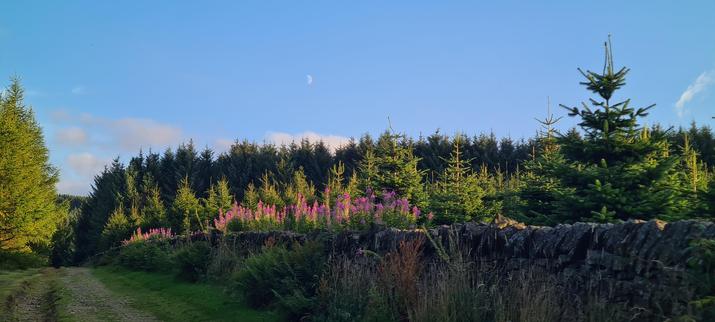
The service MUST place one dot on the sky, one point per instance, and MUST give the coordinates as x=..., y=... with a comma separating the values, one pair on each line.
x=107, y=78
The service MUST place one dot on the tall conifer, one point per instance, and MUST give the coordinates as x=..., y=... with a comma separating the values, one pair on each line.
x=28, y=211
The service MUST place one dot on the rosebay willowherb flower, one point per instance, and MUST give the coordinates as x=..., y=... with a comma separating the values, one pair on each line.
x=348, y=212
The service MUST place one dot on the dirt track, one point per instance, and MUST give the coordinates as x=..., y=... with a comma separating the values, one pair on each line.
x=69, y=294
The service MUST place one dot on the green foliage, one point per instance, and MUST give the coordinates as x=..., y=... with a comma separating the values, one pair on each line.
x=392, y=166
x=269, y=192
x=617, y=170
x=170, y=300
x=117, y=229
x=708, y=197
x=185, y=209
x=219, y=198
x=192, y=260
x=109, y=186
x=541, y=189
x=702, y=268
x=154, y=213
x=28, y=212
x=459, y=195
x=282, y=277
x=145, y=256
x=63, y=239
x=250, y=197
x=298, y=186
x=14, y=260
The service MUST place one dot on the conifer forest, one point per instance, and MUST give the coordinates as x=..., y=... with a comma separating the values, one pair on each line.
x=612, y=219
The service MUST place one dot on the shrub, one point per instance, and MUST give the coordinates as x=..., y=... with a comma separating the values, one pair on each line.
x=20, y=260
x=225, y=261
x=192, y=260
x=702, y=270
x=145, y=256
x=284, y=278
x=347, y=289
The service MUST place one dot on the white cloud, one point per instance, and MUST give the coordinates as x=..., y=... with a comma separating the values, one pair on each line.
x=696, y=87
x=79, y=90
x=72, y=136
x=331, y=141
x=133, y=133
x=60, y=116
x=73, y=187
x=223, y=145
x=125, y=134
x=86, y=164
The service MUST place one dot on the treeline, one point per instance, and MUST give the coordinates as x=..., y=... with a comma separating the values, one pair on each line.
x=609, y=168
x=458, y=178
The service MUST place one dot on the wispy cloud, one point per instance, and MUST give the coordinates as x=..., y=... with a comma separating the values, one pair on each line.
x=133, y=133
x=700, y=84
x=72, y=136
x=79, y=90
x=73, y=187
x=127, y=134
x=91, y=142
x=331, y=141
x=78, y=174
x=222, y=145
x=86, y=164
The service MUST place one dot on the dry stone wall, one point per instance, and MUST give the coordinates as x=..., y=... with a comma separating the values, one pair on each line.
x=640, y=263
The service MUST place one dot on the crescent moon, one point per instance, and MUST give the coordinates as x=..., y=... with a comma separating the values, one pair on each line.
x=309, y=79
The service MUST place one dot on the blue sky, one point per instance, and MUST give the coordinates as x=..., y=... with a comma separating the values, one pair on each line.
x=106, y=78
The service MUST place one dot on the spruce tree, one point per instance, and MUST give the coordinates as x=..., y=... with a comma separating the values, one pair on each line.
x=154, y=212
x=298, y=185
x=708, y=199
x=617, y=170
x=107, y=191
x=251, y=197
x=28, y=211
x=185, y=209
x=218, y=198
x=118, y=228
x=458, y=195
x=392, y=166
x=540, y=188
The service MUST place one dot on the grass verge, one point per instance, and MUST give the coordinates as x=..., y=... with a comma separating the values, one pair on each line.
x=170, y=299
x=30, y=294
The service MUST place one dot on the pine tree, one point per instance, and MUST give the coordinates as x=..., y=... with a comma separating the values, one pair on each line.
x=132, y=195
x=690, y=179
x=540, y=188
x=204, y=172
x=393, y=167
x=118, y=228
x=617, y=170
x=167, y=178
x=251, y=197
x=185, y=209
x=457, y=196
x=154, y=212
x=298, y=185
x=708, y=199
x=269, y=193
x=218, y=198
x=107, y=191
x=28, y=212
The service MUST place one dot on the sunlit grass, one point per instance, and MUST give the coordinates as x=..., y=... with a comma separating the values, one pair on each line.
x=170, y=299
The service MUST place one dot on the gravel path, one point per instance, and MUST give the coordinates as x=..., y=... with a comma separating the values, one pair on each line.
x=88, y=299
x=29, y=303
